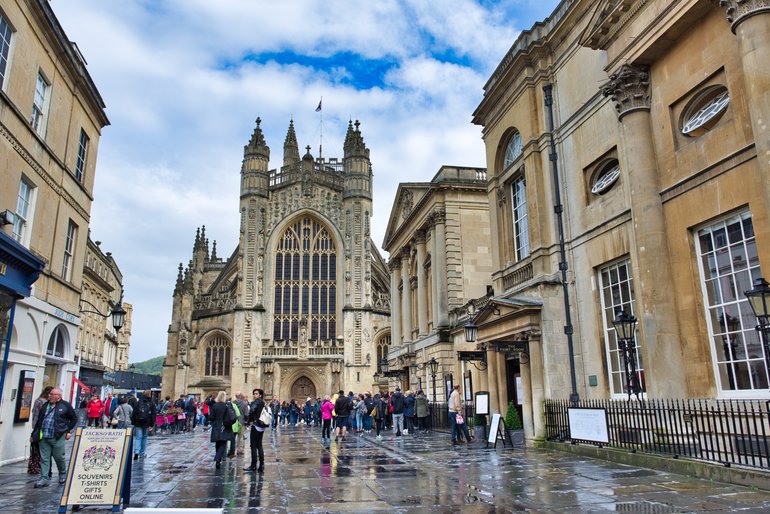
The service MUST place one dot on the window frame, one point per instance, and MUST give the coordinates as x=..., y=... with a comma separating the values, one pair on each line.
x=82, y=156
x=746, y=333
x=40, y=104
x=6, y=49
x=520, y=223
x=615, y=367
x=22, y=225
x=68, y=259
x=514, y=148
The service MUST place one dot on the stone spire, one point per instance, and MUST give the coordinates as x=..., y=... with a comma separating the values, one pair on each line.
x=179, y=281
x=290, y=147
x=214, y=251
x=354, y=142
x=257, y=145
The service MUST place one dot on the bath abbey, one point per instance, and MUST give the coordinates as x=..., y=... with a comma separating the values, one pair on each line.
x=301, y=306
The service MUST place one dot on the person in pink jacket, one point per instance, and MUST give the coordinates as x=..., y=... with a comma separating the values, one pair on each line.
x=326, y=420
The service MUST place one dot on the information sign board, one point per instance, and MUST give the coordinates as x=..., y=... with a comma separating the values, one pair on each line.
x=588, y=425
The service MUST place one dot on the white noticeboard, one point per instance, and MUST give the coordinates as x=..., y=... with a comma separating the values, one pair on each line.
x=482, y=403
x=497, y=420
x=97, y=467
x=588, y=425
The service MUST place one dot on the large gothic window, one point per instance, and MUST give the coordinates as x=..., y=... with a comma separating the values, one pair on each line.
x=305, y=282
x=218, y=357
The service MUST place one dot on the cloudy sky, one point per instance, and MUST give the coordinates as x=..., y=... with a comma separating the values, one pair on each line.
x=184, y=81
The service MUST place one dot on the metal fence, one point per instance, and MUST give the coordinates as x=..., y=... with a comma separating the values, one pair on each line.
x=729, y=432
x=439, y=416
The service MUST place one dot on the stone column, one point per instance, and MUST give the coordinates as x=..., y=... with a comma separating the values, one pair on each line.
x=536, y=367
x=750, y=22
x=654, y=303
x=502, y=383
x=406, y=296
x=440, y=270
x=494, y=404
x=395, y=302
x=422, y=285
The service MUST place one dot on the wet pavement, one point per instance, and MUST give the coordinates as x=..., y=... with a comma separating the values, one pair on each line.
x=419, y=473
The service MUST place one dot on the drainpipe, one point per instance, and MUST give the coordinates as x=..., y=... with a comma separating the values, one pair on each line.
x=559, y=210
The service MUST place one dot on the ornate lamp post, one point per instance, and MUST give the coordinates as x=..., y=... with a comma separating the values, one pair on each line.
x=433, y=368
x=625, y=328
x=118, y=313
x=759, y=299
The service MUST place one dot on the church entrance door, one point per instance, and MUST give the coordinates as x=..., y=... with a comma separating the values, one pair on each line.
x=302, y=389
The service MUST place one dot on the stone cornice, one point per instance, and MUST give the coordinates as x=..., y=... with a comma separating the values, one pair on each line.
x=629, y=88
x=610, y=16
x=738, y=10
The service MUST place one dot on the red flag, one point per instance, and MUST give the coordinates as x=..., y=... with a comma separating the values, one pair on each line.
x=318, y=109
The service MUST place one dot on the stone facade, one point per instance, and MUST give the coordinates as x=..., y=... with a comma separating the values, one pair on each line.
x=51, y=117
x=439, y=242
x=661, y=154
x=301, y=305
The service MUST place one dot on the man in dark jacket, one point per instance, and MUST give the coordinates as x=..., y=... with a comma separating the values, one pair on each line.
x=55, y=422
x=256, y=432
x=143, y=418
x=343, y=408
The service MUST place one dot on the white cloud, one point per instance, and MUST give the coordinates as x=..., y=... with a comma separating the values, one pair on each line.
x=184, y=80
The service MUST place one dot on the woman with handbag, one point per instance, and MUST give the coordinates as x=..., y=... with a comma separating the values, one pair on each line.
x=121, y=417
x=221, y=426
x=258, y=423
x=33, y=466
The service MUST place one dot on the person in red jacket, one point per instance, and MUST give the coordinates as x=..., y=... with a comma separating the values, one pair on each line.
x=94, y=411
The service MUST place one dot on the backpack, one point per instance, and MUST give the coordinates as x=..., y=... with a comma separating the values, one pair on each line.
x=142, y=413
x=232, y=409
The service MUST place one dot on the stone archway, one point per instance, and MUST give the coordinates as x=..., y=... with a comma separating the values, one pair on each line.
x=301, y=389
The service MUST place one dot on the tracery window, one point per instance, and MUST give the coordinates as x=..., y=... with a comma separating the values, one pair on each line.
x=305, y=282
x=382, y=351
x=218, y=357
x=57, y=343
x=705, y=110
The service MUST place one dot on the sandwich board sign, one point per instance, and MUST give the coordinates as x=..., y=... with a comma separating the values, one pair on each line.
x=99, y=470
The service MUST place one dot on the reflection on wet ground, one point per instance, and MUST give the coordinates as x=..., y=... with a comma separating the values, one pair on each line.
x=410, y=474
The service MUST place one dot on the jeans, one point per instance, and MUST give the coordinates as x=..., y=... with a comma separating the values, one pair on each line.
x=255, y=440
x=398, y=423
x=326, y=429
x=453, y=425
x=140, y=440
x=359, y=421
x=221, y=448
x=52, y=448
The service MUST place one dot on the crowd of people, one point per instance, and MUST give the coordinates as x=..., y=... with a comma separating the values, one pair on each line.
x=231, y=420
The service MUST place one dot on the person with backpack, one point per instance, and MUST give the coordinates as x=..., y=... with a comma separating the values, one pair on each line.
x=256, y=432
x=143, y=418
x=221, y=418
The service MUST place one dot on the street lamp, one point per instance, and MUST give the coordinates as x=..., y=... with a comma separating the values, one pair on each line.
x=433, y=368
x=625, y=328
x=118, y=313
x=471, y=331
x=759, y=299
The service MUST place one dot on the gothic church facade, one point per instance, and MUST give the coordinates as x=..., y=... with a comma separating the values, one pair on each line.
x=301, y=307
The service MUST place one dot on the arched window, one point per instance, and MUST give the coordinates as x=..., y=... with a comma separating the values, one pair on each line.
x=305, y=282
x=57, y=343
x=513, y=149
x=218, y=357
x=382, y=350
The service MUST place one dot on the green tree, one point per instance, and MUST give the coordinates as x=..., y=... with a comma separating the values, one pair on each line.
x=512, y=419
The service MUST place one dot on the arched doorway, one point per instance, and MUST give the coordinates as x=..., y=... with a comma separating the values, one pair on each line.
x=302, y=389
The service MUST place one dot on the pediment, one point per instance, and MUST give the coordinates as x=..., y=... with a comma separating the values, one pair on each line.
x=608, y=17
x=408, y=196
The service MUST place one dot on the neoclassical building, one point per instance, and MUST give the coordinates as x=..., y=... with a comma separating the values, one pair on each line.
x=659, y=114
x=302, y=303
x=438, y=237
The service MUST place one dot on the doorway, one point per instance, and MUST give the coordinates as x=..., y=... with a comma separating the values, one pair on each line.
x=302, y=388
x=514, y=386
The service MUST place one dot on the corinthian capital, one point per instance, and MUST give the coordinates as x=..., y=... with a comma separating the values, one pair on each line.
x=629, y=88
x=739, y=10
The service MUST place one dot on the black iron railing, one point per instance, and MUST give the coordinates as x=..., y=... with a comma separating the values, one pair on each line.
x=729, y=432
x=439, y=416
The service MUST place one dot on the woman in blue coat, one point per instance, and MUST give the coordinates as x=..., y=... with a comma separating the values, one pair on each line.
x=409, y=411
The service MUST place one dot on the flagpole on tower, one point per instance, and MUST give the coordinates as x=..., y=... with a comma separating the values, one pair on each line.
x=319, y=109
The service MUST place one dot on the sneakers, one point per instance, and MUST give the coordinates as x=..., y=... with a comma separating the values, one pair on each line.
x=42, y=483
x=379, y=438
x=62, y=479
x=398, y=434
x=136, y=456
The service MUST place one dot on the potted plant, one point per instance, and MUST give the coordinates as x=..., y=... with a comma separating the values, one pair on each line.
x=480, y=427
x=514, y=425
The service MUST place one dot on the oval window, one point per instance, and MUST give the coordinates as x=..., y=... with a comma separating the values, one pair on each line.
x=606, y=177
x=705, y=110
x=513, y=150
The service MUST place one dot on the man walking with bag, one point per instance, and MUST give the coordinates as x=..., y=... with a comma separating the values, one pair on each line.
x=54, y=425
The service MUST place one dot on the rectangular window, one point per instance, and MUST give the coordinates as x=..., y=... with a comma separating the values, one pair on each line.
x=40, y=105
x=21, y=223
x=728, y=264
x=617, y=292
x=69, y=249
x=80, y=165
x=5, y=48
x=520, y=223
